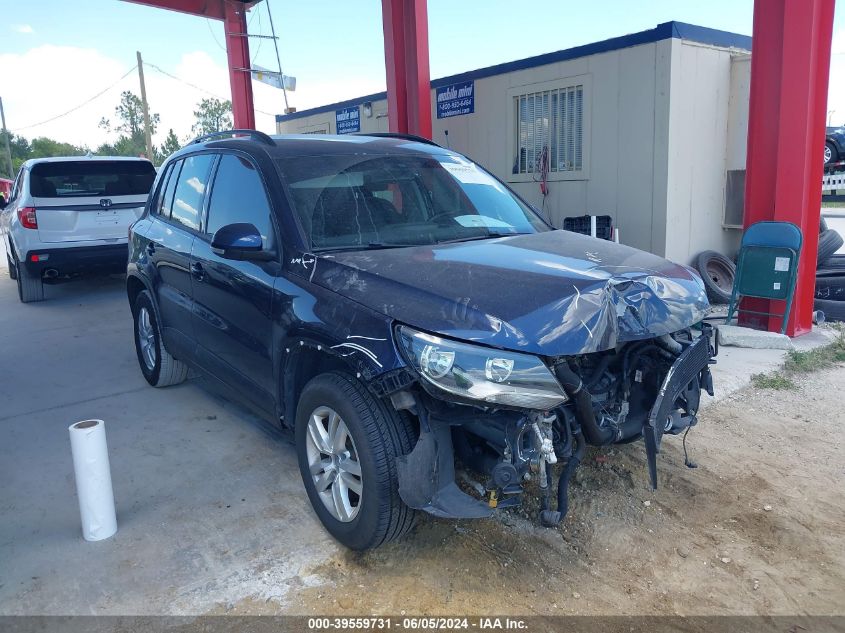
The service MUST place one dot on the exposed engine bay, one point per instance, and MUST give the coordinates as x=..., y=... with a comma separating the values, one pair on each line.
x=639, y=389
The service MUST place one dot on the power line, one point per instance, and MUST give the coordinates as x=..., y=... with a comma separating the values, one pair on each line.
x=195, y=87
x=74, y=109
x=213, y=36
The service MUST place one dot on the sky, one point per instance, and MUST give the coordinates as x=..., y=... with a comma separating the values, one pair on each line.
x=58, y=55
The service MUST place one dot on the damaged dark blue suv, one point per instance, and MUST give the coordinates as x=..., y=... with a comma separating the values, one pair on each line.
x=402, y=311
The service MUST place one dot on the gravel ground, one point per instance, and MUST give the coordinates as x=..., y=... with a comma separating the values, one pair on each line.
x=755, y=529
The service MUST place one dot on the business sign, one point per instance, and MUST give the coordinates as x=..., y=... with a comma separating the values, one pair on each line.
x=348, y=120
x=456, y=99
x=272, y=78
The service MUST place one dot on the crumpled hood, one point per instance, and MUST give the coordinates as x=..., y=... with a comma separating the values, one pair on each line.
x=552, y=293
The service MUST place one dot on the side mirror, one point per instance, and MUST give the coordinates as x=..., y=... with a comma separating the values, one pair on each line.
x=239, y=241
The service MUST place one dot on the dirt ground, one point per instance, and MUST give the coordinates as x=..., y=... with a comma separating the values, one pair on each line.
x=757, y=528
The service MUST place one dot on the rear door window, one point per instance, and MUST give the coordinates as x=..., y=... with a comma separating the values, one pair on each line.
x=16, y=187
x=190, y=190
x=166, y=201
x=238, y=195
x=105, y=178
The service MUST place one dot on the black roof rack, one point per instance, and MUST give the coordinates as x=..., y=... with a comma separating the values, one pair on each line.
x=259, y=136
x=407, y=137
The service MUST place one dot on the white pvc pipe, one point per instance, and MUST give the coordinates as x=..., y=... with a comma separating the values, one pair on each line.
x=93, y=479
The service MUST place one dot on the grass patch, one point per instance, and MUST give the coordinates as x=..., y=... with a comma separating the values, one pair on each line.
x=815, y=359
x=802, y=363
x=773, y=381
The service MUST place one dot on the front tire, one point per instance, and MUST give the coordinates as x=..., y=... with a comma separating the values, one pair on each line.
x=159, y=368
x=347, y=442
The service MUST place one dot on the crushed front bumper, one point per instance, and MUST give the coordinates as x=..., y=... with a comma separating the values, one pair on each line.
x=691, y=369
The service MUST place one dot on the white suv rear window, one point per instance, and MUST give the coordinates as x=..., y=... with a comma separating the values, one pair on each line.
x=91, y=178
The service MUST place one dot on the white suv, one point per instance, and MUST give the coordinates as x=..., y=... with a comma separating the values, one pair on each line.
x=70, y=216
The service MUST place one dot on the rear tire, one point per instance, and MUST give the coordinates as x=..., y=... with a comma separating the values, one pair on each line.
x=159, y=368
x=13, y=271
x=30, y=287
x=375, y=434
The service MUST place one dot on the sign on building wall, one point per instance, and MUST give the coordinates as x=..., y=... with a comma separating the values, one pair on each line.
x=348, y=120
x=456, y=99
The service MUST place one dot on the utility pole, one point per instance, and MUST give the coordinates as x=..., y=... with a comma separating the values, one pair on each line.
x=6, y=137
x=147, y=134
x=278, y=59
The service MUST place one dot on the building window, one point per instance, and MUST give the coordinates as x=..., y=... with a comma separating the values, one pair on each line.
x=734, y=199
x=549, y=130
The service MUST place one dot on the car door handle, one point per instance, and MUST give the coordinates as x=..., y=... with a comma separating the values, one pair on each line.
x=197, y=271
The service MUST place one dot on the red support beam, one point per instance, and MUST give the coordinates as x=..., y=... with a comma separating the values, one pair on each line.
x=205, y=8
x=233, y=14
x=790, y=65
x=240, y=79
x=406, y=61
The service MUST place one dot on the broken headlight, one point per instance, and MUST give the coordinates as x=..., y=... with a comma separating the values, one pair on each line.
x=481, y=373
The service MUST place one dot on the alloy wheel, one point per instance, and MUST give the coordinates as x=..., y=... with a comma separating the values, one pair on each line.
x=333, y=463
x=146, y=338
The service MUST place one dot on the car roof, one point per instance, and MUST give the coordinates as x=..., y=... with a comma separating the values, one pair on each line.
x=291, y=145
x=65, y=159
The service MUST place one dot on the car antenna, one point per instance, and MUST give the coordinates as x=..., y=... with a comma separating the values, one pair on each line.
x=446, y=132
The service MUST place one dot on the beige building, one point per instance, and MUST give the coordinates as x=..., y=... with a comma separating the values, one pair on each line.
x=649, y=128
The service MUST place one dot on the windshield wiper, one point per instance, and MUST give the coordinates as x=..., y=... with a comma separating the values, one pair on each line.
x=372, y=246
x=473, y=238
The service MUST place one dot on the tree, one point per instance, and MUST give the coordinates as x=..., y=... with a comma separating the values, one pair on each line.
x=41, y=147
x=212, y=115
x=130, y=117
x=130, y=126
x=20, y=152
x=170, y=145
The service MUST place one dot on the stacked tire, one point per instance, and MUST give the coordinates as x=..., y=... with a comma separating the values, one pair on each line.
x=830, y=275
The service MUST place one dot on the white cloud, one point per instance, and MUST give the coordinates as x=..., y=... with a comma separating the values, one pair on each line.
x=50, y=80
x=26, y=29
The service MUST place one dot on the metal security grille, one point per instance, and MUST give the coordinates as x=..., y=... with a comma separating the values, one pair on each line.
x=551, y=119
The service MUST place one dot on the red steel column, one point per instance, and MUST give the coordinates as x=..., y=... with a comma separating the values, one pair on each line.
x=237, y=50
x=790, y=65
x=406, y=61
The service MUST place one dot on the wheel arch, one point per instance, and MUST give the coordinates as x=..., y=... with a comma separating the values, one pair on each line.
x=306, y=356
x=135, y=284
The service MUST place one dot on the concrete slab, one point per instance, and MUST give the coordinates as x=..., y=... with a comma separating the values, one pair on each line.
x=736, y=336
x=210, y=505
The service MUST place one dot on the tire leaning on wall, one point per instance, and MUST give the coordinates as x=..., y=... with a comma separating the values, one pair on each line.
x=718, y=273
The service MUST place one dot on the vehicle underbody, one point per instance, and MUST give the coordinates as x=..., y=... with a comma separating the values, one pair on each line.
x=639, y=389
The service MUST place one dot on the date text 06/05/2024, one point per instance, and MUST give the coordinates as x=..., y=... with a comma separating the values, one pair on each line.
x=416, y=623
